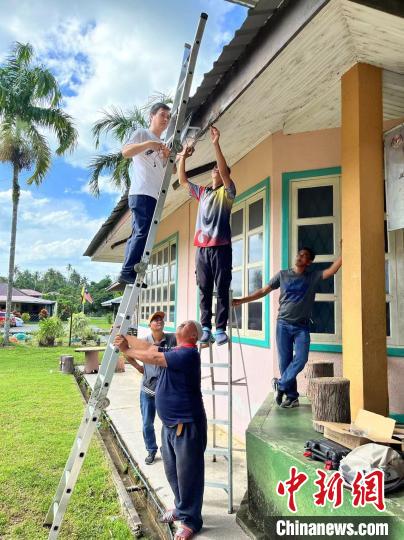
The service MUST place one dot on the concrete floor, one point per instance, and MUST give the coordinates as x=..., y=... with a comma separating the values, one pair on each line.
x=124, y=411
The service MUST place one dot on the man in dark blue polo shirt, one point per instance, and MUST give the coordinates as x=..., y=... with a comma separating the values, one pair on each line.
x=184, y=433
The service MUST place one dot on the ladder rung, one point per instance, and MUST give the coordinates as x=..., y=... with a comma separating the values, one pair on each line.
x=217, y=485
x=217, y=451
x=219, y=422
x=214, y=365
x=215, y=392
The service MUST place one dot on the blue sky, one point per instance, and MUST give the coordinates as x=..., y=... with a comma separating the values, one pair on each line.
x=103, y=53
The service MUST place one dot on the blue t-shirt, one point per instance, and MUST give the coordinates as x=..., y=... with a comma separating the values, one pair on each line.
x=298, y=292
x=178, y=392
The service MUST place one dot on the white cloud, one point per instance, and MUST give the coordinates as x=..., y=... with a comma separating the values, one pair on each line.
x=113, y=53
x=50, y=233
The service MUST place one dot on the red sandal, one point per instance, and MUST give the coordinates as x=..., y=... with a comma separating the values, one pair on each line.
x=183, y=533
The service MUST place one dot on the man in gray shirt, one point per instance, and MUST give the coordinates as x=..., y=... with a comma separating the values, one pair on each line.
x=151, y=373
x=298, y=288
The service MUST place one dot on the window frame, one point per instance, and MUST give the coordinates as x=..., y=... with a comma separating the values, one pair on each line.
x=260, y=338
x=287, y=177
x=335, y=220
x=170, y=326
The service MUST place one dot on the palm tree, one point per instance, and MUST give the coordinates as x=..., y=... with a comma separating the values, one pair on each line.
x=120, y=125
x=30, y=100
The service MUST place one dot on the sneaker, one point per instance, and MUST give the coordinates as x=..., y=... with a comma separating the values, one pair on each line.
x=221, y=338
x=290, y=403
x=206, y=337
x=278, y=393
x=150, y=458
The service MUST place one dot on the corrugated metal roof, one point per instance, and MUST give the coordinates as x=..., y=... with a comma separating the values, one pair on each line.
x=257, y=18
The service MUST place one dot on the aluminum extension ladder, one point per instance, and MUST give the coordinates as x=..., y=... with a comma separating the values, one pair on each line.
x=227, y=392
x=98, y=401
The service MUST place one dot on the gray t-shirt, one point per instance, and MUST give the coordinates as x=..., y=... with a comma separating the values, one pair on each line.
x=151, y=373
x=148, y=166
x=297, y=294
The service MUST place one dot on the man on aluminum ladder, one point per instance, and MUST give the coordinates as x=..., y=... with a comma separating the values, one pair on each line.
x=149, y=155
x=213, y=240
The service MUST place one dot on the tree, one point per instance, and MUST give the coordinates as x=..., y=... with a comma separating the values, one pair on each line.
x=120, y=125
x=30, y=100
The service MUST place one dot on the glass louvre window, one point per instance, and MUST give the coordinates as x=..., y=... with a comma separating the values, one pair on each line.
x=248, y=242
x=315, y=223
x=161, y=278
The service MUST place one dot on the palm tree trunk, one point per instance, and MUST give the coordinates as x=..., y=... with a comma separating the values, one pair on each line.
x=16, y=198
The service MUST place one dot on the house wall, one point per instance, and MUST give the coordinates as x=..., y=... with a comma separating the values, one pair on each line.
x=275, y=155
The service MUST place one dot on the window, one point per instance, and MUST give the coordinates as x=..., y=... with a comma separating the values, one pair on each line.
x=161, y=279
x=249, y=262
x=394, y=256
x=315, y=223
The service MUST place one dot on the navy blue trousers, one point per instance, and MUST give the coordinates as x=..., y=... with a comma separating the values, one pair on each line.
x=142, y=207
x=184, y=465
x=213, y=267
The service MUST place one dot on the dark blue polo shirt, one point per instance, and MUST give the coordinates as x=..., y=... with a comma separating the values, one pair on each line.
x=178, y=392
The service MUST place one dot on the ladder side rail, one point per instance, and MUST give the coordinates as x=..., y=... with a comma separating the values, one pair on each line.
x=182, y=77
x=70, y=475
x=175, y=146
x=230, y=407
x=242, y=361
x=131, y=296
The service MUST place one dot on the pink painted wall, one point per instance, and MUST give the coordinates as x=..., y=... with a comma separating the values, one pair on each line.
x=277, y=154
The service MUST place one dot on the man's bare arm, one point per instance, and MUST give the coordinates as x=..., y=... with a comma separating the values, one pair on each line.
x=148, y=356
x=182, y=174
x=132, y=149
x=137, y=343
x=333, y=269
x=256, y=295
x=221, y=162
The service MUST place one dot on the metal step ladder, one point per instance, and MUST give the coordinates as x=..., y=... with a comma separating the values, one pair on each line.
x=227, y=392
x=98, y=400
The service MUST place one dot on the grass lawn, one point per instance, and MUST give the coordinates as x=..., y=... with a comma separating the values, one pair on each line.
x=40, y=412
x=100, y=322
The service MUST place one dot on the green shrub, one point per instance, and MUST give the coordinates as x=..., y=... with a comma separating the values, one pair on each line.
x=50, y=329
x=26, y=317
x=80, y=326
x=109, y=318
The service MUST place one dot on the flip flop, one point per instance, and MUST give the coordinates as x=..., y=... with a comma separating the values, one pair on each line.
x=183, y=533
x=169, y=516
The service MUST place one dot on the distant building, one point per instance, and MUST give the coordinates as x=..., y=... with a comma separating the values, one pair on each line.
x=25, y=301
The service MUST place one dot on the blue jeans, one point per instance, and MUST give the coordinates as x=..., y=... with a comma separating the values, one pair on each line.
x=184, y=465
x=142, y=207
x=289, y=337
x=148, y=409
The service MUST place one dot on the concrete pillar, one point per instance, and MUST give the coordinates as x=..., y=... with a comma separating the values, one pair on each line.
x=363, y=281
